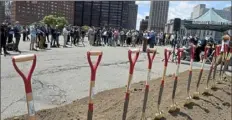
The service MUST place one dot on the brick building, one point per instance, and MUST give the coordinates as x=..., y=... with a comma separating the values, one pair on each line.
x=27, y=12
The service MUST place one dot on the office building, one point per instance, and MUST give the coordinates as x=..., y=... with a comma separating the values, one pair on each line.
x=2, y=11
x=144, y=24
x=8, y=11
x=158, y=15
x=115, y=14
x=27, y=12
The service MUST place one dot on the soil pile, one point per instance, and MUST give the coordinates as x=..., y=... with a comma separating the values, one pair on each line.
x=108, y=105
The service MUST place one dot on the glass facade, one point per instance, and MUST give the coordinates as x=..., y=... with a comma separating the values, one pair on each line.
x=105, y=13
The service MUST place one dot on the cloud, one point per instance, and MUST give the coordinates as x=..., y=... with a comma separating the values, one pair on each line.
x=180, y=9
x=139, y=18
x=146, y=13
x=142, y=2
x=183, y=9
x=228, y=5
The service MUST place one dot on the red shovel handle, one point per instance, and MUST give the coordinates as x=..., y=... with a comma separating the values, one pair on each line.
x=167, y=54
x=94, y=67
x=206, y=51
x=218, y=49
x=193, y=48
x=150, y=58
x=134, y=60
x=179, y=54
x=226, y=47
x=24, y=58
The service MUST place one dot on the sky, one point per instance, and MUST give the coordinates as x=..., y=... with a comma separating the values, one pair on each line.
x=178, y=9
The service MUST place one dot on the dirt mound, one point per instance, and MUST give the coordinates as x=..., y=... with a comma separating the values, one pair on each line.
x=108, y=105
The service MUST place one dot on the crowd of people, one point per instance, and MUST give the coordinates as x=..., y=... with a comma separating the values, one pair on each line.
x=42, y=35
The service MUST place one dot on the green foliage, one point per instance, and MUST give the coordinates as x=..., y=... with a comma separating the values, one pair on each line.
x=61, y=22
x=54, y=20
x=85, y=28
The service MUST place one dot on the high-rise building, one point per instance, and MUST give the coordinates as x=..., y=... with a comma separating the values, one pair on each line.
x=158, y=15
x=115, y=14
x=132, y=17
x=144, y=24
x=8, y=11
x=27, y=12
x=2, y=11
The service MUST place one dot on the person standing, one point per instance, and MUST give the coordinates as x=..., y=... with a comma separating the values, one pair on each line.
x=17, y=35
x=28, y=33
x=116, y=36
x=145, y=38
x=122, y=38
x=47, y=31
x=152, y=39
x=91, y=36
x=24, y=31
x=104, y=35
x=65, y=35
x=129, y=37
x=3, y=38
x=110, y=34
x=55, y=37
x=10, y=34
x=42, y=38
x=52, y=44
x=71, y=33
x=33, y=37
x=76, y=36
x=83, y=36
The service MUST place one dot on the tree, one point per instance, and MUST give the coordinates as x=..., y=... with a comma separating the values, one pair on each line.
x=54, y=20
x=85, y=28
x=49, y=20
x=61, y=22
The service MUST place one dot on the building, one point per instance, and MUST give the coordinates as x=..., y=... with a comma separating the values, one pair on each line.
x=115, y=14
x=27, y=12
x=200, y=9
x=132, y=17
x=228, y=8
x=8, y=11
x=158, y=15
x=2, y=11
x=169, y=26
x=144, y=24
